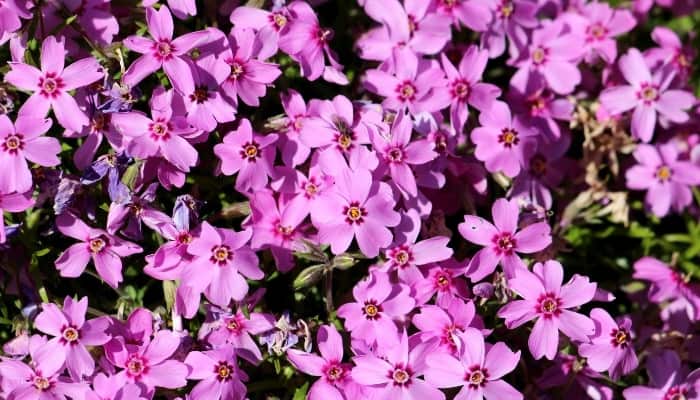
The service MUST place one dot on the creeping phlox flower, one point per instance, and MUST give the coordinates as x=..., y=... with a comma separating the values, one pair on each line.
x=314, y=230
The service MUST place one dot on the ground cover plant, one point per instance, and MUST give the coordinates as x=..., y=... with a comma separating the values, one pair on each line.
x=340, y=199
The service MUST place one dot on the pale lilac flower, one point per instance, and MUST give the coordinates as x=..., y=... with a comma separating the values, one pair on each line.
x=205, y=104
x=416, y=84
x=335, y=382
x=668, y=284
x=151, y=363
x=221, y=258
x=51, y=84
x=477, y=370
x=163, y=51
x=235, y=330
x=24, y=140
x=10, y=14
x=249, y=154
x=500, y=139
x=71, y=333
x=512, y=19
x=611, y=346
x=269, y=25
x=647, y=94
x=13, y=203
x=103, y=249
x=548, y=301
x=249, y=77
x=446, y=324
x=110, y=388
x=474, y=14
x=133, y=211
x=377, y=303
x=218, y=373
x=96, y=18
x=539, y=107
x=668, y=380
x=395, y=375
x=666, y=178
x=294, y=151
x=671, y=52
x=360, y=208
x=599, y=26
x=503, y=240
x=41, y=379
x=406, y=258
x=466, y=87
x=553, y=55
x=442, y=280
x=575, y=379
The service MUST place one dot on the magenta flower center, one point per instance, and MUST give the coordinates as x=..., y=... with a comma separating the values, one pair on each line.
x=224, y=371
x=344, y=141
x=41, y=383
x=250, y=151
x=664, y=173
x=395, y=154
x=236, y=70
x=648, y=93
x=620, y=337
x=676, y=393
x=135, y=366
x=160, y=130
x=537, y=105
x=163, y=49
x=538, y=165
x=371, y=310
x=460, y=89
x=476, y=376
x=448, y=4
x=401, y=375
x=401, y=255
x=96, y=245
x=539, y=55
x=184, y=238
x=597, y=32
x=221, y=255
x=50, y=85
x=505, y=9
x=682, y=60
x=100, y=122
x=233, y=325
x=354, y=214
x=13, y=143
x=324, y=35
x=504, y=243
x=310, y=189
x=442, y=281
x=406, y=91
x=70, y=334
x=335, y=373
x=548, y=305
x=200, y=94
x=284, y=230
x=508, y=137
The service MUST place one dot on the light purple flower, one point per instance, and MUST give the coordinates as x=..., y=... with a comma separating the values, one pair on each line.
x=103, y=249
x=133, y=211
x=446, y=324
x=474, y=14
x=667, y=378
x=206, y=105
x=71, y=333
x=668, y=284
x=599, y=26
x=13, y=203
x=647, y=94
x=109, y=388
x=545, y=299
x=477, y=370
x=51, y=84
x=666, y=178
x=163, y=51
x=611, y=346
x=512, y=19
x=218, y=373
x=235, y=329
x=503, y=240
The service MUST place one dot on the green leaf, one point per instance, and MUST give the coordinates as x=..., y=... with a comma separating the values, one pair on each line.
x=300, y=393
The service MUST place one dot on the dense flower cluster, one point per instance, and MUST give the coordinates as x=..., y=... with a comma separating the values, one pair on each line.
x=364, y=210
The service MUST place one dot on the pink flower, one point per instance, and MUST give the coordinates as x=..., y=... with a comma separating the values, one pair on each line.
x=72, y=333
x=442, y=279
x=358, y=208
x=248, y=154
x=473, y=14
x=96, y=18
x=667, y=378
x=503, y=241
x=307, y=42
x=220, y=257
x=395, y=375
x=466, y=86
x=158, y=136
x=547, y=300
x=648, y=94
x=51, y=84
x=294, y=151
x=109, y=388
x=446, y=324
x=218, y=373
x=500, y=139
x=553, y=56
x=21, y=142
x=163, y=51
x=671, y=52
x=150, y=364
x=377, y=303
x=666, y=178
x=611, y=346
x=236, y=329
x=512, y=19
x=668, y=284
x=104, y=249
x=477, y=370
x=41, y=379
x=269, y=25
x=249, y=77
x=416, y=84
x=13, y=203
x=399, y=153
x=599, y=27
x=206, y=106
x=335, y=382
